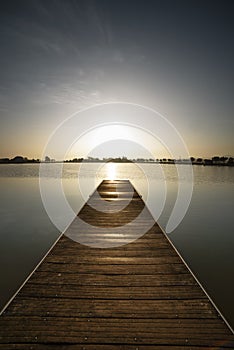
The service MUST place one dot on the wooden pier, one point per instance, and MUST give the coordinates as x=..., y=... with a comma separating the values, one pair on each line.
x=105, y=294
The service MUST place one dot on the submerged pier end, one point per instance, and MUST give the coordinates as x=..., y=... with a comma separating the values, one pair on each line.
x=123, y=286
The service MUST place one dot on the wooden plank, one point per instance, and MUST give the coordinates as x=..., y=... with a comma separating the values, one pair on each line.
x=114, y=280
x=133, y=269
x=135, y=296
x=108, y=293
x=113, y=308
x=85, y=346
x=113, y=260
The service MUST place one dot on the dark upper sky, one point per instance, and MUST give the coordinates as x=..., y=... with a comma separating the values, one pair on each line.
x=60, y=56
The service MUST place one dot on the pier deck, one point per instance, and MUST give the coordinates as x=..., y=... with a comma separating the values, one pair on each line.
x=105, y=294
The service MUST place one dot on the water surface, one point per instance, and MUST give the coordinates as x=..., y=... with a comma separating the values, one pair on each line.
x=204, y=238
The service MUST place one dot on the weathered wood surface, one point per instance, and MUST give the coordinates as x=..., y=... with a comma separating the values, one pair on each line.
x=135, y=296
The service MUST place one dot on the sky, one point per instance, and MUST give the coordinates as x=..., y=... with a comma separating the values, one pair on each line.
x=60, y=57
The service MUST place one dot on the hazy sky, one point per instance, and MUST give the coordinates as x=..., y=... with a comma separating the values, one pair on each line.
x=58, y=57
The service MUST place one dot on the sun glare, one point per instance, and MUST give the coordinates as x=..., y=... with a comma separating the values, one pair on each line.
x=93, y=138
x=111, y=171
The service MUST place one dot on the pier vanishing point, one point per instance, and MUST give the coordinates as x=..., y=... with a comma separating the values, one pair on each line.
x=124, y=286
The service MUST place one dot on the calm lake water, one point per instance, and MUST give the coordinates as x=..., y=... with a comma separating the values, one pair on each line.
x=204, y=238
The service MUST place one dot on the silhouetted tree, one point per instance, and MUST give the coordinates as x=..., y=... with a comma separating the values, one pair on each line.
x=216, y=160
x=47, y=159
x=192, y=159
x=18, y=159
x=223, y=159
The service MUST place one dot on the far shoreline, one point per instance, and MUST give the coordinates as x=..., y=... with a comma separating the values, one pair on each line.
x=214, y=161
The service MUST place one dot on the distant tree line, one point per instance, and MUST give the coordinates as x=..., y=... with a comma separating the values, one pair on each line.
x=18, y=159
x=216, y=160
x=227, y=161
